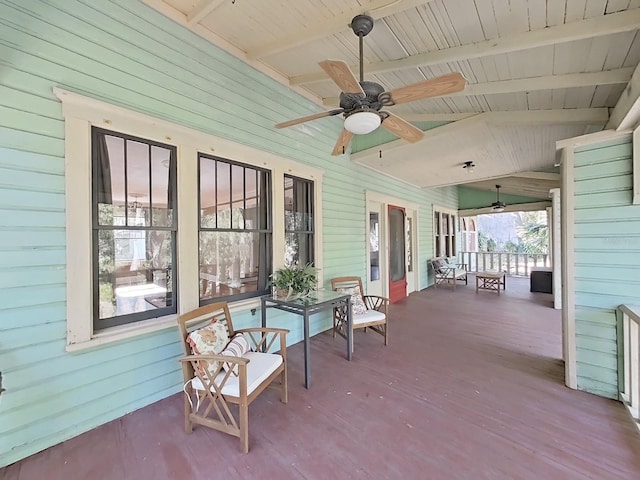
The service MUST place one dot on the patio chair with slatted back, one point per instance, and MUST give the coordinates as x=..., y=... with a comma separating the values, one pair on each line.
x=225, y=367
x=368, y=311
x=447, y=273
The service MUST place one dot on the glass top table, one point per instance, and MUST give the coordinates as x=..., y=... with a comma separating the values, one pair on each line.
x=316, y=302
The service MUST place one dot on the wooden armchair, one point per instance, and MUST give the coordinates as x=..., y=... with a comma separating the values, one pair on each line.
x=216, y=381
x=447, y=273
x=371, y=311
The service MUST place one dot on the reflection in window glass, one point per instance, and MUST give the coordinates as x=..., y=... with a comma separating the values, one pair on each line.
x=298, y=221
x=134, y=229
x=396, y=245
x=374, y=245
x=409, y=243
x=235, y=232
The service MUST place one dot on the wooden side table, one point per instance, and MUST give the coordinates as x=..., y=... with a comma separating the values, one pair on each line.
x=491, y=281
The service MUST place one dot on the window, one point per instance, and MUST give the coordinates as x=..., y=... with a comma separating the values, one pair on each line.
x=374, y=246
x=445, y=230
x=235, y=229
x=298, y=222
x=134, y=229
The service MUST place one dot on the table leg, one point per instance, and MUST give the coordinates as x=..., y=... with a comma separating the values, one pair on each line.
x=263, y=314
x=307, y=367
x=477, y=283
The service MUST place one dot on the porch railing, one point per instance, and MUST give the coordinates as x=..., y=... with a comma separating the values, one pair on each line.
x=516, y=264
x=630, y=388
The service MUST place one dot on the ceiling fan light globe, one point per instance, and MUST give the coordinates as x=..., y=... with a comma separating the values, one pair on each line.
x=498, y=209
x=361, y=123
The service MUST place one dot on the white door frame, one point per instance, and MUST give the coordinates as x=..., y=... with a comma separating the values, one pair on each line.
x=384, y=201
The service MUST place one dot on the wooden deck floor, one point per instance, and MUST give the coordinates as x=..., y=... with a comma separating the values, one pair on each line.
x=471, y=386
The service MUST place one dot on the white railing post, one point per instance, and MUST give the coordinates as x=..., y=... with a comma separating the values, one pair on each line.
x=630, y=391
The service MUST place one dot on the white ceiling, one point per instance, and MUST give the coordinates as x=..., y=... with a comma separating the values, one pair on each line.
x=537, y=71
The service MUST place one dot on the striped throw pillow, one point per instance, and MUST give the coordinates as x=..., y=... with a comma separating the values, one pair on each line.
x=237, y=347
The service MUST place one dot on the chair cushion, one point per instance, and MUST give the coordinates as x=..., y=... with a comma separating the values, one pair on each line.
x=368, y=316
x=440, y=265
x=212, y=338
x=260, y=366
x=237, y=347
x=357, y=303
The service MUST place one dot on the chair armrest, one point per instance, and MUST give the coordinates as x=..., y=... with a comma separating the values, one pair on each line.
x=376, y=302
x=216, y=358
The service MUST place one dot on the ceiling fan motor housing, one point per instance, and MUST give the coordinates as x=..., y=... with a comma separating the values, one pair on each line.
x=354, y=101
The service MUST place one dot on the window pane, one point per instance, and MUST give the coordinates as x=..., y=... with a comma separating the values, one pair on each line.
x=162, y=169
x=262, y=198
x=298, y=221
x=138, y=177
x=396, y=245
x=230, y=263
x=298, y=248
x=238, y=196
x=223, y=194
x=409, y=243
x=134, y=271
x=207, y=192
x=374, y=245
x=108, y=167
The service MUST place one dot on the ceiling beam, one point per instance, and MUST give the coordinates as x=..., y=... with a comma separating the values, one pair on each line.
x=553, y=177
x=532, y=84
x=567, y=116
x=576, y=116
x=201, y=10
x=626, y=113
x=321, y=29
x=593, y=27
x=181, y=19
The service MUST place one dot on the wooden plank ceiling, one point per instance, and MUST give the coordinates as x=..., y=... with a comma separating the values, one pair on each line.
x=537, y=71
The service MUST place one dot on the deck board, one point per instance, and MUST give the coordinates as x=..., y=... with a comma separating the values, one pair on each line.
x=470, y=386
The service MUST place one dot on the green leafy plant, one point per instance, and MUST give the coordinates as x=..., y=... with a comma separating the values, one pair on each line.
x=294, y=281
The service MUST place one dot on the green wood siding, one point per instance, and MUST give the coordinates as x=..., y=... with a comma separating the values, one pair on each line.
x=607, y=258
x=127, y=54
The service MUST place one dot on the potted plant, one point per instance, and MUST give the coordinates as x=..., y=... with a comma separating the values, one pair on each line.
x=294, y=281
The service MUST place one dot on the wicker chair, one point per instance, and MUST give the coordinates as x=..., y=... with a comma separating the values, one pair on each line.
x=210, y=391
x=376, y=313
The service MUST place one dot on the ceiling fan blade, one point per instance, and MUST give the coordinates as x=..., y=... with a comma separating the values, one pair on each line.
x=310, y=117
x=451, y=83
x=402, y=128
x=343, y=76
x=343, y=142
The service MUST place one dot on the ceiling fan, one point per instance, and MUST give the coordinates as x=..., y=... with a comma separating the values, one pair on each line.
x=361, y=101
x=498, y=206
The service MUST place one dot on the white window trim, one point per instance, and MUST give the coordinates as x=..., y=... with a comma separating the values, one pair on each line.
x=80, y=114
x=449, y=211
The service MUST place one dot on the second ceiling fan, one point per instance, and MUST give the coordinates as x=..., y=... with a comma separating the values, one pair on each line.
x=361, y=101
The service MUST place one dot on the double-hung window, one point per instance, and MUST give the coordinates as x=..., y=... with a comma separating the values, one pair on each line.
x=134, y=229
x=298, y=221
x=235, y=232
